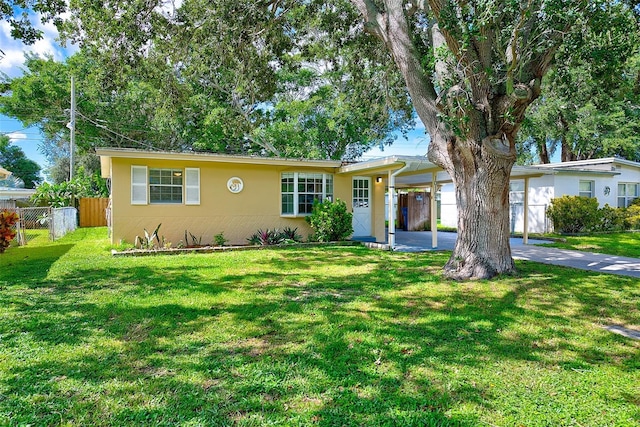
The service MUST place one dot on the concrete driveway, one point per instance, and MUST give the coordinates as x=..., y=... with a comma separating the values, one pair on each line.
x=420, y=241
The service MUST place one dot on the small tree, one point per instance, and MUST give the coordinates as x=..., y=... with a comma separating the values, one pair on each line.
x=7, y=233
x=330, y=220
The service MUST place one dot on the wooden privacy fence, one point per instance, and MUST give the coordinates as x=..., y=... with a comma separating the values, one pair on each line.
x=93, y=212
x=414, y=211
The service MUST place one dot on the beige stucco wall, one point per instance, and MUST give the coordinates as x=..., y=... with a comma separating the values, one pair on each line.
x=236, y=215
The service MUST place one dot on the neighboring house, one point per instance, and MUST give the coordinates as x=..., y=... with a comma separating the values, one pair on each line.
x=9, y=195
x=614, y=182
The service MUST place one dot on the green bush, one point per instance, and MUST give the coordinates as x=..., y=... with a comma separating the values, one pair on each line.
x=266, y=237
x=632, y=215
x=574, y=214
x=330, y=221
x=611, y=219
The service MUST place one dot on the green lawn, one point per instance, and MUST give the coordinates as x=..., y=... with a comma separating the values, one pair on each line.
x=340, y=336
x=621, y=244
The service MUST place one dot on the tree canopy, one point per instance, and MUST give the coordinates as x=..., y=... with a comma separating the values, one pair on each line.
x=14, y=160
x=591, y=104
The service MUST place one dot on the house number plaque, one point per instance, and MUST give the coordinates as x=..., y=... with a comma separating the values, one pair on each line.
x=235, y=184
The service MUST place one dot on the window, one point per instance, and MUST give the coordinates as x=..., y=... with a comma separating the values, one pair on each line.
x=627, y=193
x=299, y=190
x=516, y=192
x=164, y=186
x=360, y=193
x=586, y=188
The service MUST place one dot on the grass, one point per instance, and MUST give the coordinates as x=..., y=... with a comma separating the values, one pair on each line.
x=340, y=336
x=621, y=244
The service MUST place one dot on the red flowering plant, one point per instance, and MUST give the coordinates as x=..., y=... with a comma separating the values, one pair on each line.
x=7, y=231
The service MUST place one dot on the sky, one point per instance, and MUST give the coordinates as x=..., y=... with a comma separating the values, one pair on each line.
x=29, y=139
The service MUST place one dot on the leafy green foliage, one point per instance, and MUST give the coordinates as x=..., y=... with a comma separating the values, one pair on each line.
x=13, y=159
x=266, y=237
x=331, y=221
x=632, y=215
x=8, y=220
x=291, y=235
x=67, y=193
x=591, y=102
x=576, y=214
x=219, y=239
x=573, y=214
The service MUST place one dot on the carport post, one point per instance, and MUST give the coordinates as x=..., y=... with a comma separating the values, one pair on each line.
x=392, y=211
x=525, y=234
x=392, y=206
x=434, y=211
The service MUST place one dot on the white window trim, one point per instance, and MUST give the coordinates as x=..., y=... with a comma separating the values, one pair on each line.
x=191, y=172
x=144, y=185
x=296, y=211
x=140, y=184
x=627, y=199
x=592, y=193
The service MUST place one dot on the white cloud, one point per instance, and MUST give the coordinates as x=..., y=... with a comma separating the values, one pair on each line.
x=16, y=136
x=14, y=50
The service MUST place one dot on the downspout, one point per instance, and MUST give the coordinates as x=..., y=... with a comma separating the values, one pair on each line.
x=391, y=238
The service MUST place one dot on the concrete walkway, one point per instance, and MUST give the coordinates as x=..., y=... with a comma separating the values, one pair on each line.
x=420, y=241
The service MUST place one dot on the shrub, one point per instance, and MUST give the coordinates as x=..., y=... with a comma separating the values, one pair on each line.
x=150, y=240
x=290, y=235
x=574, y=214
x=266, y=237
x=330, y=221
x=632, y=215
x=219, y=239
x=611, y=219
x=7, y=233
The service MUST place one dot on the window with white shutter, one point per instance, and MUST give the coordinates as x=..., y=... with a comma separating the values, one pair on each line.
x=192, y=186
x=138, y=185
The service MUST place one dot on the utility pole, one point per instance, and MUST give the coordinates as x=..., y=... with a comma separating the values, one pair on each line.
x=72, y=127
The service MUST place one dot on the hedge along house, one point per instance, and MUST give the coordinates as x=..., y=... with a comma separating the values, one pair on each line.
x=204, y=194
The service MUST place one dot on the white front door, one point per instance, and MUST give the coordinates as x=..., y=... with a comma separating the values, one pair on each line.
x=361, y=202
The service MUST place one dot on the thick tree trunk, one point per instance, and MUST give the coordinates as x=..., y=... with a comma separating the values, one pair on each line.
x=544, y=152
x=482, y=249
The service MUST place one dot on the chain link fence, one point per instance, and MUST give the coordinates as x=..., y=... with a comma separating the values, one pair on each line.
x=44, y=223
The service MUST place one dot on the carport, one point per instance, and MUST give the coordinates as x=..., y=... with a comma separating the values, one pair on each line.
x=407, y=172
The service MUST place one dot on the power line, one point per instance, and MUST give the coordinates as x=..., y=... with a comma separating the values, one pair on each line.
x=101, y=126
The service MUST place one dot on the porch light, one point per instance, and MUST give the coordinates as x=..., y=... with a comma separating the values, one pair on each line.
x=378, y=179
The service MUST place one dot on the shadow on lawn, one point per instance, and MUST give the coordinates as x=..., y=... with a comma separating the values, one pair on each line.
x=29, y=266
x=288, y=348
